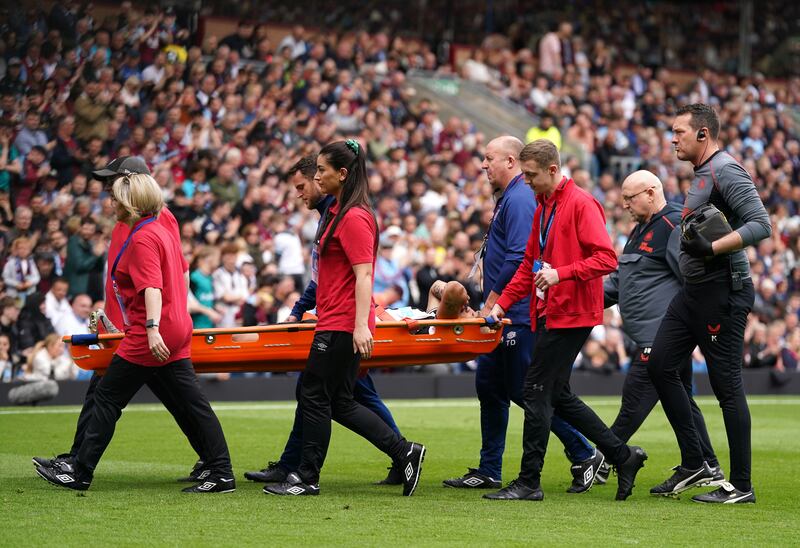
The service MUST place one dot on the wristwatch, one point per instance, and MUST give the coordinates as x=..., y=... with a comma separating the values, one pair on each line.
x=150, y=323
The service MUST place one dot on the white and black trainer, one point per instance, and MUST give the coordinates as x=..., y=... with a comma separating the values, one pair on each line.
x=726, y=494
x=473, y=480
x=584, y=473
x=293, y=486
x=214, y=483
x=63, y=478
x=411, y=467
x=684, y=479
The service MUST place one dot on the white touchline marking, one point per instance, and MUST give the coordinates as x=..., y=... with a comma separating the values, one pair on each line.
x=444, y=403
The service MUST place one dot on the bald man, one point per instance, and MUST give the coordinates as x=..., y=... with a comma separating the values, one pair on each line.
x=647, y=278
x=500, y=374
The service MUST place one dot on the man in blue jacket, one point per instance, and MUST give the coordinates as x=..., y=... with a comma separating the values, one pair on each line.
x=501, y=373
x=301, y=176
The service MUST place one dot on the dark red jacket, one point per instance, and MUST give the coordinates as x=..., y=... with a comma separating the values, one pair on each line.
x=579, y=248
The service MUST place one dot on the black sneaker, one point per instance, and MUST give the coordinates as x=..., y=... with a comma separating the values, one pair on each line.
x=198, y=473
x=726, y=494
x=626, y=472
x=394, y=477
x=602, y=474
x=63, y=478
x=42, y=461
x=683, y=479
x=214, y=483
x=293, y=486
x=719, y=477
x=273, y=473
x=516, y=491
x=473, y=480
x=412, y=467
x=584, y=473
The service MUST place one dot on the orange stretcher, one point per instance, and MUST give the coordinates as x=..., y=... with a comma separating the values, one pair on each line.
x=285, y=347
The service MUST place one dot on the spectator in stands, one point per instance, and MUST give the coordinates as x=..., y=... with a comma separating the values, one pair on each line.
x=49, y=360
x=76, y=321
x=202, y=287
x=33, y=324
x=85, y=255
x=9, y=363
x=56, y=304
x=20, y=274
x=545, y=130
x=230, y=286
x=32, y=134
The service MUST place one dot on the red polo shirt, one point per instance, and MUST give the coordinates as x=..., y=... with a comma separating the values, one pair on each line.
x=118, y=237
x=353, y=243
x=154, y=259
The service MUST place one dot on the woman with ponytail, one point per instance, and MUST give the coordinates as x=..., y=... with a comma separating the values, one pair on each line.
x=347, y=239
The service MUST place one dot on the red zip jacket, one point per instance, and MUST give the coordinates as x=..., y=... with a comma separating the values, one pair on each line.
x=579, y=248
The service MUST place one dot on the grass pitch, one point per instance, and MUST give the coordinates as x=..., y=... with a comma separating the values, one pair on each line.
x=135, y=501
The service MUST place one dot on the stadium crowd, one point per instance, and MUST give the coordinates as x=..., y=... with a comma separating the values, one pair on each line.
x=219, y=134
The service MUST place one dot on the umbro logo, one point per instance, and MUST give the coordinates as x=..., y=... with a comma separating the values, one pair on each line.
x=65, y=478
x=321, y=346
x=204, y=474
x=207, y=486
x=473, y=481
x=511, y=334
x=587, y=476
x=409, y=471
x=295, y=490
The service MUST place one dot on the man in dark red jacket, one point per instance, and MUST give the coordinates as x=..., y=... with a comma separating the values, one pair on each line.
x=568, y=253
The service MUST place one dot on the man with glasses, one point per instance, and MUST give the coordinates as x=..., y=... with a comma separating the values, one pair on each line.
x=647, y=278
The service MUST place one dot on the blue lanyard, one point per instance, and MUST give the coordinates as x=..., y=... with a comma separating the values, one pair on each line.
x=116, y=262
x=544, y=231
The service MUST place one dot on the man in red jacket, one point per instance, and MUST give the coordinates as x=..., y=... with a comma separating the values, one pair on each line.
x=568, y=253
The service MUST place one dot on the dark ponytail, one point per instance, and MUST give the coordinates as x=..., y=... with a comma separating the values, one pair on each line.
x=355, y=189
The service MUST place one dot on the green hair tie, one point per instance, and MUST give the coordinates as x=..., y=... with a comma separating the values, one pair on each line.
x=352, y=144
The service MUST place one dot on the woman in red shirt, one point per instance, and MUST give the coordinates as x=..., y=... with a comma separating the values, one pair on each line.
x=149, y=283
x=347, y=241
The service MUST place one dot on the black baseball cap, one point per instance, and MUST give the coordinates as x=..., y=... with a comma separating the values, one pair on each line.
x=124, y=165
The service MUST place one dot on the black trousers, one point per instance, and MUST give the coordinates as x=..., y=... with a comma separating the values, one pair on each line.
x=161, y=391
x=547, y=389
x=712, y=316
x=118, y=386
x=639, y=397
x=326, y=393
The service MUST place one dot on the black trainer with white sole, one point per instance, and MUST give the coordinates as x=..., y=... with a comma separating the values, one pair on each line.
x=516, y=491
x=293, y=486
x=473, y=480
x=411, y=467
x=273, y=473
x=584, y=473
x=726, y=494
x=62, y=478
x=684, y=479
x=214, y=483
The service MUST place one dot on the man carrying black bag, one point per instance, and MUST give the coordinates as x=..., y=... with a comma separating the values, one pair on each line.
x=711, y=309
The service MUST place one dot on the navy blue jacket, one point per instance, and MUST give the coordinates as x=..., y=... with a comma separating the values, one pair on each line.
x=505, y=248
x=309, y=298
